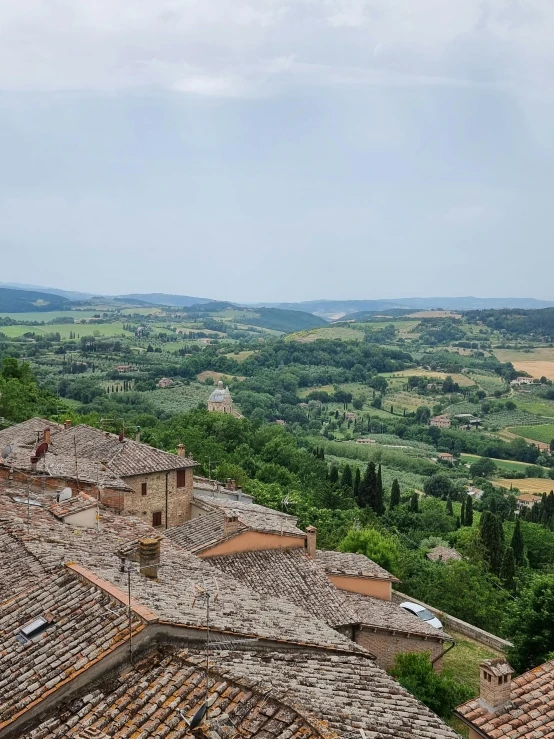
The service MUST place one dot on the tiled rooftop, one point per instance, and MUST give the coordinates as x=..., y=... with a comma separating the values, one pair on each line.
x=84, y=624
x=352, y=565
x=289, y=574
x=530, y=715
x=257, y=517
x=86, y=453
x=320, y=684
x=76, y=504
x=207, y=530
x=443, y=554
x=266, y=695
x=237, y=609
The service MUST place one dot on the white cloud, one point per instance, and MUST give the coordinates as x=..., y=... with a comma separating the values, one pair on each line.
x=237, y=47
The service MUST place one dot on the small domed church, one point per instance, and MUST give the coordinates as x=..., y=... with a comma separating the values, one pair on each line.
x=220, y=400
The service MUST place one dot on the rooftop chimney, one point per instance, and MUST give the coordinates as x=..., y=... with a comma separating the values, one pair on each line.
x=67, y=424
x=495, y=684
x=149, y=557
x=180, y=450
x=47, y=436
x=311, y=539
x=231, y=484
x=137, y=435
x=231, y=524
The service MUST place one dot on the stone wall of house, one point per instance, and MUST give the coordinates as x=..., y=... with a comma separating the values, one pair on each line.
x=145, y=506
x=385, y=646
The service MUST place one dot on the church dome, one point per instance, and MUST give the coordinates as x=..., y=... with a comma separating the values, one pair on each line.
x=220, y=394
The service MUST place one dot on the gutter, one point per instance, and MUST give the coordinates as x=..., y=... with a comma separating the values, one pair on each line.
x=166, y=496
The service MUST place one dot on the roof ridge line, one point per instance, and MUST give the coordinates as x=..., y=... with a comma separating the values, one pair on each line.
x=113, y=591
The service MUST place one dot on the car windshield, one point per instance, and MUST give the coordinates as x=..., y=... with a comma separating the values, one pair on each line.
x=425, y=615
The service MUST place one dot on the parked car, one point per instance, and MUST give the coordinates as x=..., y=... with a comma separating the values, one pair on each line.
x=422, y=613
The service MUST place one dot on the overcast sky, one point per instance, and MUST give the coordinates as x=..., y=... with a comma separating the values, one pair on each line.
x=278, y=149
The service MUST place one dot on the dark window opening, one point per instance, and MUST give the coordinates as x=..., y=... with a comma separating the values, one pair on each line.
x=157, y=518
x=181, y=478
x=143, y=488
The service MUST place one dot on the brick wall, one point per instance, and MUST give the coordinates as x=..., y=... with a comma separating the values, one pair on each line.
x=385, y=646
x=154, y=502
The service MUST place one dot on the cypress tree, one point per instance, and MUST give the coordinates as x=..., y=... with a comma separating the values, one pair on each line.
x=394, y=494
x=458, y=523
x=469, y=512
x=517, y=545
x=357, y=483
x=463, y=513
x=333, y=474
x=346, y=478
x=491, y=539
x=508, y=569
x=414, y=503
x=379, y=505
x=366, y=494
x=449, y=508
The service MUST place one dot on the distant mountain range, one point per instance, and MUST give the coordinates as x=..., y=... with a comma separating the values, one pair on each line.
x=329, y=309
x=334, y=309
x=177, y=301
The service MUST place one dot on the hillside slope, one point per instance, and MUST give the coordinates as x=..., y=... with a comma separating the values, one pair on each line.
x=25, y=301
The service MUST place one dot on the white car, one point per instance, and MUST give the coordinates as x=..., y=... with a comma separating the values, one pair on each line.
x=422, y=613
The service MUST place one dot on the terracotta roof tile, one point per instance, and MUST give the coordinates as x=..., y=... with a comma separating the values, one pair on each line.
x=530, y=715
x=83, y=625
x=352, y=565
x=265, y=695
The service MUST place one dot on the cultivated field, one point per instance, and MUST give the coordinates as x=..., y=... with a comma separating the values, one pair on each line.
x=544, y=432
x=217, y=376
x=537, y=362
x=328, y=332
x=529, y=485
x=53, y=315
x=462, y=380
x=434, y=314
x=65, y=329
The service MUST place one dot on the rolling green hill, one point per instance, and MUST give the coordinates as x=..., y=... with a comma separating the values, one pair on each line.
x=25, y=301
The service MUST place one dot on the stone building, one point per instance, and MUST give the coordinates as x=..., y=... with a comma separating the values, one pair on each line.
x=266, y=551
x=123, y=474
x=220, y=400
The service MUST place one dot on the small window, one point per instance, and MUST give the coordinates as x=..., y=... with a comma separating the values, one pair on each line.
x=157, y=518
x=181, y=478
x=143, y=488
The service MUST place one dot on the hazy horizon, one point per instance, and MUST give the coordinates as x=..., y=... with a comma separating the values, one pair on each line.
x=283, y=152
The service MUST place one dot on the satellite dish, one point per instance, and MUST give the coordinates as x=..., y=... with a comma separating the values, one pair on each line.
x=41, y=450
x=65, y=494
x=6, y=451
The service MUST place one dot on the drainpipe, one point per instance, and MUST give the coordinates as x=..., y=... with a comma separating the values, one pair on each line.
x=166, y=495
x=441, y=655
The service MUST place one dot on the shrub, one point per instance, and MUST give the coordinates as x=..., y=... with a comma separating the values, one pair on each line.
x=441, y=693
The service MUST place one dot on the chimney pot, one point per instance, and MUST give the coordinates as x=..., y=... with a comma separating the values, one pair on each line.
x=311, y=541
x=495, y=684
x=149, y=557
x=180, y=450
x=137, y=435
x=67, y=424
x=47, y=435
x=231, y=523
